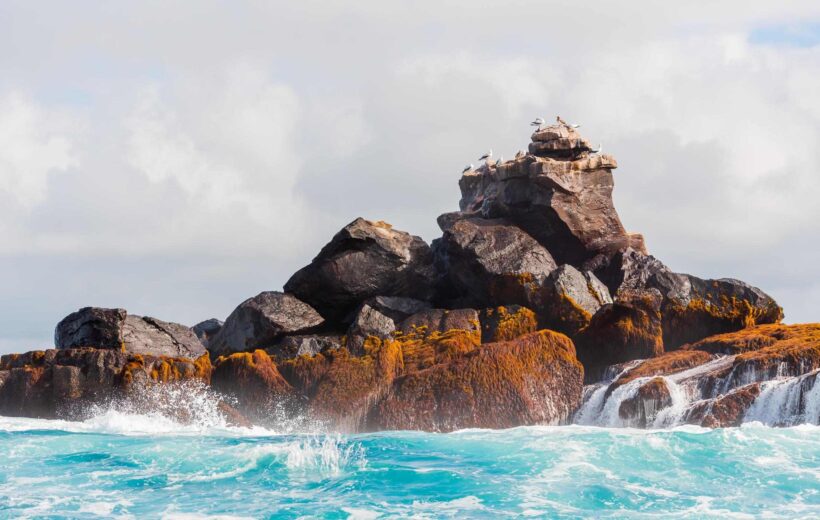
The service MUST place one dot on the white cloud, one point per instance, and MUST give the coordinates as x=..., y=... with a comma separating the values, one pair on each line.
x=226, y=145
x=33, y=145
x=236, y=149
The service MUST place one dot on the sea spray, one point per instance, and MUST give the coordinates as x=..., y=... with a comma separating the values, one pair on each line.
x=52, y=471
x=783, y=401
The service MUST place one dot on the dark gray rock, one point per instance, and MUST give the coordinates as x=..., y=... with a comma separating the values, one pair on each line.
x=146, y=335
x=207, y=329
x=715, y=307
x=115, y=329
x=692, y=308
x=365, y=259
x=309, y=344
x=631, y=270
x=378, y=317
x=259, y=322
x=489, y=262
x=570, y=298
x=91, y=327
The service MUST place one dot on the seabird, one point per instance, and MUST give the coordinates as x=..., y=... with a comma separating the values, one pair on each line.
x=486, y=156
x=538, y=122
x=597, y=150
x=519, y=154
x=561, y=121
x=467, y=168
x=576, y=125
x=499, y=162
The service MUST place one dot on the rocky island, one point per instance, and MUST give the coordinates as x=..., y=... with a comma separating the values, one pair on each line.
x=535, y=306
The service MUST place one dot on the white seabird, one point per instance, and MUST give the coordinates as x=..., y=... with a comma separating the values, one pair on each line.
x=539, y=122
x=486, y=156
x=467, y=168
x=597, y=150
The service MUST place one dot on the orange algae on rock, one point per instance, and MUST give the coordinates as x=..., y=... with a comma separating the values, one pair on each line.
x=625, y=330
x=533, y=379
x=704, y=317
x=506, y=323
x=665, y=364
x=339, y=387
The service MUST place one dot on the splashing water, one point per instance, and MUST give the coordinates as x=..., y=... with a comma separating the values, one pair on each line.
x=60, y=469
x=784, y=401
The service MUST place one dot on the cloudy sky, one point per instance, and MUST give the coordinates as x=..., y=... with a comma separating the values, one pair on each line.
x=176, y=158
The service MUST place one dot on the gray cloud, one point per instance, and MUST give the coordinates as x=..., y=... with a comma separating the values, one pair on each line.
x=174, y=160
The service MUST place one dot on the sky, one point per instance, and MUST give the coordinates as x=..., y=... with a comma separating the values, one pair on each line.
x=176, y=158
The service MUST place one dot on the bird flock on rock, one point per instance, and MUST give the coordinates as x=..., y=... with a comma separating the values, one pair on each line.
x=538, y=122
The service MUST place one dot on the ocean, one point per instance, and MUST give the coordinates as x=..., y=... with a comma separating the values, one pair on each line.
x=118, y=464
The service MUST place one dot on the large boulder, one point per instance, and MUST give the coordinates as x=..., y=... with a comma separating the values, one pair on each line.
x=569, y=299
x=91, y=327
x=629, y=328
x=254, y=382
x=534, y=379
x=489, y=262
x=67, y=383
x=379, y=317
x=116, y=329
x=261, y=321
x=559, y=193
x=365, y=259
x=692, y=308
x=715, y=307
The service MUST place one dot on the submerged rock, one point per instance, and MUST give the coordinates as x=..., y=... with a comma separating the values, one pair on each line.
x=261, y=321
x=364, y=260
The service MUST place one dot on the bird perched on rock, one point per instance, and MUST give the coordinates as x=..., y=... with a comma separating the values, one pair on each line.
x=467, y=168
x=486, y=156
x=539, y=122
x=562, y=122
x=597, y=150
x=499, y=162
x=519, y=154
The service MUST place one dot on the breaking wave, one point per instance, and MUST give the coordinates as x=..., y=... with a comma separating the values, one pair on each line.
x=89, y=469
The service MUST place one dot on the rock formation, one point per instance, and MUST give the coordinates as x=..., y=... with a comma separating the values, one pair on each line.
x=259, y=321
x=116, y=329
x=533, y=288
x=364, y=260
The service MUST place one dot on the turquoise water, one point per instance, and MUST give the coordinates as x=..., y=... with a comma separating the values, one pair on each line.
x=118, y=465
